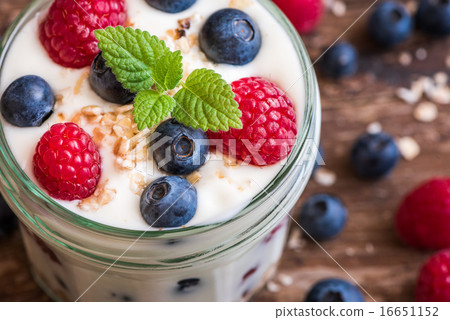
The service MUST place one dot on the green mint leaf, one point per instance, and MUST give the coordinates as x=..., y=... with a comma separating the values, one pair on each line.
x=132, y=54
x=168, y=71
x=151, y=107
x=206, y=101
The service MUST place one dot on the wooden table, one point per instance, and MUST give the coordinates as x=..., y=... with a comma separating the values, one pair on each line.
x=368, y=249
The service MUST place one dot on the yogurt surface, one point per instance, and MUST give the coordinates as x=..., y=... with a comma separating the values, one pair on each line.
x=223, y=190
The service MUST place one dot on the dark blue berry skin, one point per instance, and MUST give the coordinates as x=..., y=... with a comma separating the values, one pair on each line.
x=104, y=82
x=188, y=285
x=341, y=60
x=334, y=290
x=27, y=102
x=433, y=17
x=168, y=202
x=230, y=36
x=323, y=216
x=178, y=149
x=374, y=155
x=171, y=6
x=390, y=23
x=8, y=220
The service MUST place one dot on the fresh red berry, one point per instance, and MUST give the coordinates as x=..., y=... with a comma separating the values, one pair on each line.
x=423, y=218
x=67, y=33
x=269, y=124
x=67, y=162
x=304, y=14
x=433, y=284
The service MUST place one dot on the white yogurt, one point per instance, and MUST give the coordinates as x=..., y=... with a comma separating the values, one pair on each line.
x=222, y=191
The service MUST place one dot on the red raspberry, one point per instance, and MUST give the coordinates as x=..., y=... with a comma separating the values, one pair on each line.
x=433, y=284
x=423, y=218
x=67, y=162
x=304, y=14
x=67, y=33
x=269, y=127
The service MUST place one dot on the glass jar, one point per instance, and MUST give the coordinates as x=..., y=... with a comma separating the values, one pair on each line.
x=74, y=258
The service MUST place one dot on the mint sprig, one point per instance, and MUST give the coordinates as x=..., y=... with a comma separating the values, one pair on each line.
x=211, y=99
x=151, y=107
x=168, y=71
x=144, y=64
x=132, y=55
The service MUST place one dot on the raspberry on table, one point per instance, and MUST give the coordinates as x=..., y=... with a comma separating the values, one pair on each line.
x=433, y=284
x=304, y=14
x=423, y=218
x=269, y=124
x=67, y=162
x=67, y=32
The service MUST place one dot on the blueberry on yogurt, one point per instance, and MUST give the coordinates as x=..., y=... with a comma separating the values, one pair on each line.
x=168, y=202
x=104, y=82
x=171, y=6
x=178, y=149
x=27, y=102
x=230, y=36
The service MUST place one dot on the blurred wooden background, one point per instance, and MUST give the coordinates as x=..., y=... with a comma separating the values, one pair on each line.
x=368, y=248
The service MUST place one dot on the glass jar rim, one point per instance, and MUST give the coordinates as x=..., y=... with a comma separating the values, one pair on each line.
x=61, y=212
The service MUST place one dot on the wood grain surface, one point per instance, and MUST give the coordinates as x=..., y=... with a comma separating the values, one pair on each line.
x=368, y=249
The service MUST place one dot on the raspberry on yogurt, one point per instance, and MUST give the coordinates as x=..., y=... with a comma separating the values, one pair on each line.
x=269, y=124
x=67, y=33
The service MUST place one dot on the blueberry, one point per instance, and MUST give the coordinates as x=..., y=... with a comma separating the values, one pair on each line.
x=171, y=6
x=168, y=202
x=188, y=285
x=104, y=82
x=433, y=17
x=334, y=290
x=178, y=149
x=390, y=23
x=27, y=102
x=374, y=155
x=230, y=36
x=323, y=216
x=8, y=220
x=341, y=60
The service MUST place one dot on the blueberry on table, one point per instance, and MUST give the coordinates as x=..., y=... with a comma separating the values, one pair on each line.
x=374, y=155
x=104, y=82
x=168, y=202
x=334, y=290
x=323, y=216
x=433, y=17
x=390, y=23
x=178, y=149
x=171, y=6
x=341, y=60
x=230, y=36
x=8, y=220
x=27, y=102
x=188, y=285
